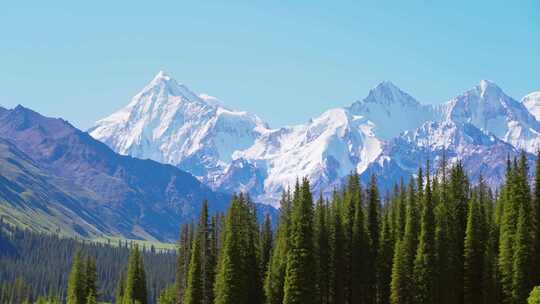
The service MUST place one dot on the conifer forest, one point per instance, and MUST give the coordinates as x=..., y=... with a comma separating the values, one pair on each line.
x=435, y=238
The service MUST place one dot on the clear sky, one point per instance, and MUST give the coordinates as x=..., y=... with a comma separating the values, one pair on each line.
x=285, y=61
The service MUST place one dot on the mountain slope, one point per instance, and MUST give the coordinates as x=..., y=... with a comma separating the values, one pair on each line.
x=532, y=103
x=113, y=194
x=168, y=123
x=488, y=108
x=373, y=135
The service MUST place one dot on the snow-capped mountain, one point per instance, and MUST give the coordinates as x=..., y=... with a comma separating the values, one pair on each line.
x=167, y=122
x=487, y=107
x=532, y=103
x=388, y=132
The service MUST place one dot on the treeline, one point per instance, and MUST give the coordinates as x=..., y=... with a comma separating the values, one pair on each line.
x=34, y=265
x=436, y=239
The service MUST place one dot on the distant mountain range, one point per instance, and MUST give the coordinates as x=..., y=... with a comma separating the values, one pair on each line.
x=56, y=178
x=389, y=133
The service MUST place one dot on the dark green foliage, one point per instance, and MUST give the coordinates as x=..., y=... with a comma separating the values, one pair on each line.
x=425, y=262
x=322, y=247
x=76, y=290
x=238, y=276
x=266, y=242
x=300, y=287
x=275, y=276
x=474, y=254
x=402, y=287
x=135, y=286
x=44, y=262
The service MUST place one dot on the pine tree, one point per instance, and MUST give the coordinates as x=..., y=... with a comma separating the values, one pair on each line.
x=425, y=262
x=135, y=285
x=508, y=225
x=523, y=273
x=76, y=293
x=275, y=276
x=473, y=259
x=337, y=267
x=536, y=211
x=194, y=291
x=182, y=262
x=402, y=287
x=373, y=227
x=91, y=277
x=322, y=251
x=300, y=285
x=360, y=279
x=252, y=258
x=266, y=241
x=120, y=287
x=456, y=215
x=231, y=278
x=386, y=253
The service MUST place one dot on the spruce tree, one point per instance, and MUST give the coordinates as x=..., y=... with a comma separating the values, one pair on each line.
x=510, y=214
x=386, y=253
x=402, y=284
x=76, y=290
x=120, y=287
x=373, y=227
x=337, y=265
x=473, y=258
x=300, y=285
x=135, y=285
x=231, y=285
x=322, y=246
x=536, y=212
x=425, y=262
x=265, y=246
x=360, y=242
x=194, y=293
x=275, y=276
x=182, y=262
x=523, y=271
x=91, y=277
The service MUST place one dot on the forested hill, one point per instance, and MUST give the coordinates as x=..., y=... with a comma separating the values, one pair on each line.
x=34, y=264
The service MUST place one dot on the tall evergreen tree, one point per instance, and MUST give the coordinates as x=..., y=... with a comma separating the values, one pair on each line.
x=91, y=277
x=473, y=259
x=386, y=253
x=76, y=291
x=135, y=286
x=237, y=279
x=402, y=284
x=536, y=212
x=523, y=272
x=275, y=276
x=373, y=229
x=266, y=242
x=337, y=265
x=425, y=262
x=322, y=246
x=300, y=285
x=194, y=293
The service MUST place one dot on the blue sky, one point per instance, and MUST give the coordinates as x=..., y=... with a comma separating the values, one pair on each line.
x=284, y=62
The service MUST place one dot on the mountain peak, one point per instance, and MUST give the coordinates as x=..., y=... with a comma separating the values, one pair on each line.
x=388, y=93
x=487, y=88
x=161, y=76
